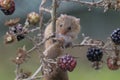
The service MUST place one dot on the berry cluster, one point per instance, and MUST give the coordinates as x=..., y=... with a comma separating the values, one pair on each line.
x=7, y=6
x=18, y=31
x=115, y=36
x=94, y=54
x=67, y=62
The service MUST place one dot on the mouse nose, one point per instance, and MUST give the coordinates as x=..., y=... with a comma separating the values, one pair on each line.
x=64, y=32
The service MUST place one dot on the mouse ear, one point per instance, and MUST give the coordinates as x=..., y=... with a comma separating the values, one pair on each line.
x=63, y=15
x=78, y=20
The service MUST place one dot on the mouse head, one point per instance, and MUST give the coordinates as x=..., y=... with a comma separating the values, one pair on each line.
x=68, y=25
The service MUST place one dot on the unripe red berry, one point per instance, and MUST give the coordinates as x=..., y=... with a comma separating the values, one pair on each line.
x=67, y=62
x=112, y=64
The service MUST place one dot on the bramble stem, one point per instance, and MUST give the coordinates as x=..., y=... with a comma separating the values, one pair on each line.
x=17, y=72
x=53, y=15
x=37, y=71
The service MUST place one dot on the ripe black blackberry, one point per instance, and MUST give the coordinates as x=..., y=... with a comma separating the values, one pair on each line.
x=10, y=10
x=115, y=36
x=67, y=62
x=17, y=29
x=94, y=54
x=20, y=37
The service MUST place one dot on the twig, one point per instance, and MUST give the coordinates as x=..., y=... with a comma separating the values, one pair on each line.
x=32, y=49
x=37, y=77
x=17, y=71
x=81, y=45
x=41, y=15
x=93, y=3
x=26, y=24
x=42, y=3
x=50, y=61
x=53, y=15
x=37, y=71
x=33, y=77
x=44, y=40
x=87, y=41
x=32, y=30
x=46, y=10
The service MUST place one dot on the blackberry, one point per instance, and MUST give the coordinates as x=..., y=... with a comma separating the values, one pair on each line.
x=8, y=10
x=20, y=37
x=67, y=62
x=19, y=28
x=94, y=54
x=115, y=36
x=16, y=29
x=13, y=30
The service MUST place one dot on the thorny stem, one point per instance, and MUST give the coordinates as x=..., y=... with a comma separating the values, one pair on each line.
x=53, y=15
x=33, y=48
x=37, y=71
x=26, y=23
x=41, y=19
x=81, y=45
x=17, y=72
x=45, y=9
x=93, y=3
x=116, y=51
x=87, y=42
x=38, y=77
x=35, y=29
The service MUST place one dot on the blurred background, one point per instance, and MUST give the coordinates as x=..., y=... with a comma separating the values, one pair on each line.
x=95, y=23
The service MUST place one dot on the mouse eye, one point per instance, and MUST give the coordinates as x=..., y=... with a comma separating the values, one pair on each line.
x=61, y=25
x=69, y=28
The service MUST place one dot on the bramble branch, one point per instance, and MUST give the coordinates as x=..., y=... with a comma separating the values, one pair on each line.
x=93, y=3
x=95, y=51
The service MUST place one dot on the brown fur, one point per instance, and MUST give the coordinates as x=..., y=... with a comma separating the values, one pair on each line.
x=56, y=74
x=54, y=50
